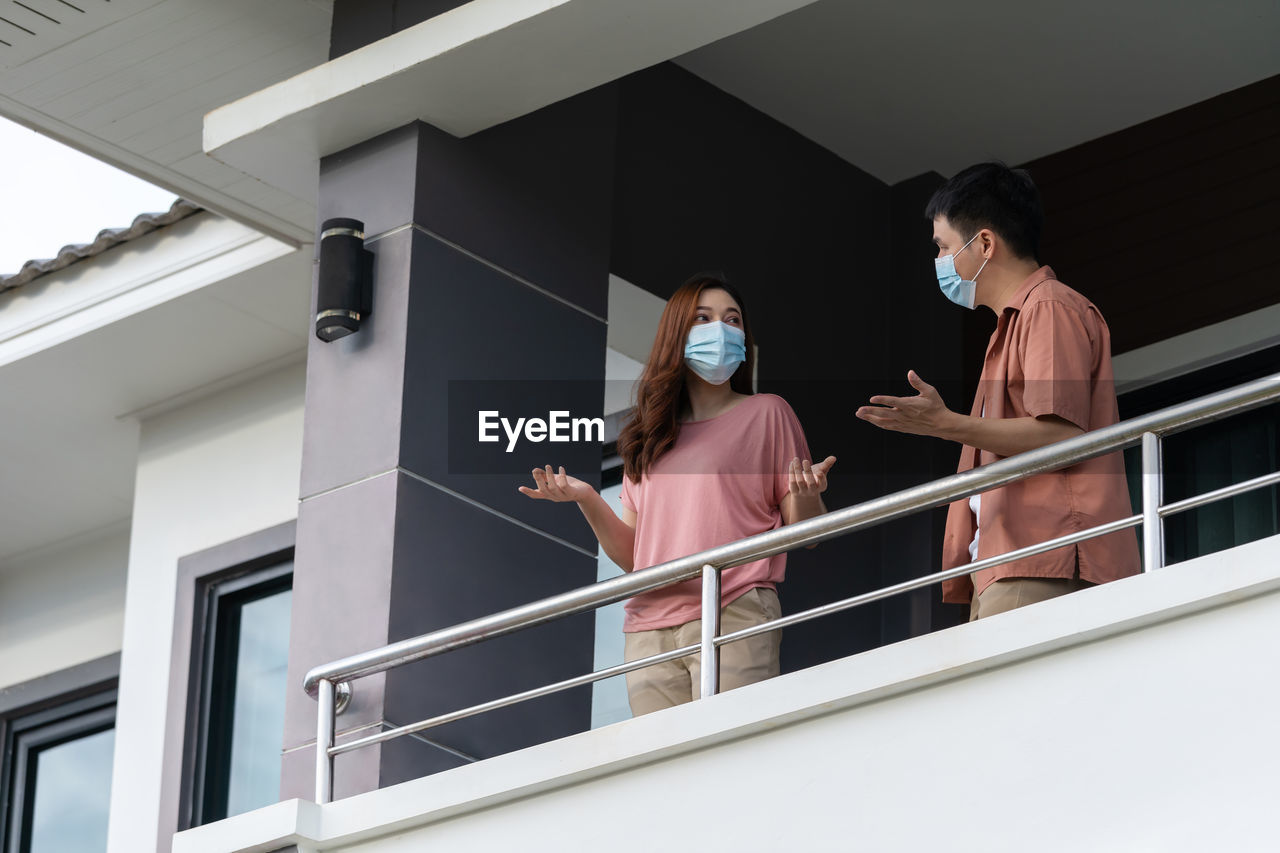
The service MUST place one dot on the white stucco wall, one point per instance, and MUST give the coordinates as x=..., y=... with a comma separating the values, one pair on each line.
x=217, y=469
x=63, y=605
x=1135, y=716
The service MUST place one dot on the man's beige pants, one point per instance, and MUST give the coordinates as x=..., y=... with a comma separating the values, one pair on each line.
x=1012, y=593
x=675, y=682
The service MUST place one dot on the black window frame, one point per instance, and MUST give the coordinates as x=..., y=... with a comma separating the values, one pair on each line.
x=223, y=596
x=53, y=709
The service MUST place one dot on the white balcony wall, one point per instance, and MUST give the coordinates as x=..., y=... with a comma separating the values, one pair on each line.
x=217, y=469
x=62, y=604
x=1136, y=716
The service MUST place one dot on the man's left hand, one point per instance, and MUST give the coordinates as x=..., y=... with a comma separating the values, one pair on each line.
x=923, y=414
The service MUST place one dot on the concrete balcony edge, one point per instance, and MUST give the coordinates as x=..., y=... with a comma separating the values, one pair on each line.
x=1218, y=579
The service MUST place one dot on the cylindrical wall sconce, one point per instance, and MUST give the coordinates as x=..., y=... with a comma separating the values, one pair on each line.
x=345, y=293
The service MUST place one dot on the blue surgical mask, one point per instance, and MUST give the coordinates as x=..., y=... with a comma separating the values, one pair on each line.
x=714, y=351
x=958, y=290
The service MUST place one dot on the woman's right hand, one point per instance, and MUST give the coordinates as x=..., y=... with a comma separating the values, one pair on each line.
x=557, y=487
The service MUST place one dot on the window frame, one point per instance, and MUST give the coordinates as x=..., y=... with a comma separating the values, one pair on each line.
x=239, y=564
x=1185, y=385
x=218, y=592
x=55, y=708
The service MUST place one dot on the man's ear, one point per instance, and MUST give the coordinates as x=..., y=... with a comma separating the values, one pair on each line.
x=989, y=243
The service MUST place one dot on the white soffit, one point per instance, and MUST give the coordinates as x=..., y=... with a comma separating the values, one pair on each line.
x=32, y=27
x=129, y=82
x=468, y=69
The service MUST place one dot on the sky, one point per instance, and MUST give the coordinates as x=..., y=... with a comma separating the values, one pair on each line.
x=52, y=195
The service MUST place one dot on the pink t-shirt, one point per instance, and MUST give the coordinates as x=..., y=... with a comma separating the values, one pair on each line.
x=723, y=479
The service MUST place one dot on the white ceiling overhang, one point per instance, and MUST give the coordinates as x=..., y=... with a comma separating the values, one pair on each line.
x=476, y=66
x=87, y=351
x=129, y=82
x=32, y=28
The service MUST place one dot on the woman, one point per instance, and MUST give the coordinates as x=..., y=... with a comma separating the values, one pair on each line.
x=706, y=461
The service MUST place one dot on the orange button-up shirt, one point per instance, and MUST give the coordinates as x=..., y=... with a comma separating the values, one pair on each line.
x=1049, y=355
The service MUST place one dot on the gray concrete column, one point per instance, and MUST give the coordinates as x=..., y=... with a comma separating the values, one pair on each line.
x=490, y=285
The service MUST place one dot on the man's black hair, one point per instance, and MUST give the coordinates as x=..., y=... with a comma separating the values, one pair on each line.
x=991, y=195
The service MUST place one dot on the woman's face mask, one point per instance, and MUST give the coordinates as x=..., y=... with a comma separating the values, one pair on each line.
x=714, y=351
x=958, y=290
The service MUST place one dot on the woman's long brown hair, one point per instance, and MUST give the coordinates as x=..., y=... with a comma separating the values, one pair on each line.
x=661, y=392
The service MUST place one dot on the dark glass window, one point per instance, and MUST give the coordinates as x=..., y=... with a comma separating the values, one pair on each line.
x=57, y=779
x=1212, y=456
x=246, y=656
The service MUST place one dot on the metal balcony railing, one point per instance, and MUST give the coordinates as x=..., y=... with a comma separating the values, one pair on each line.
x=323, y=682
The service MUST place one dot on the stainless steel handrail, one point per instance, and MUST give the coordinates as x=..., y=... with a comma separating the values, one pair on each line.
x=1147, y=429
x=742, y=634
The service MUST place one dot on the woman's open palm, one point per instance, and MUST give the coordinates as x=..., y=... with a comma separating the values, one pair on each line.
x=806, y=480
x=559, y=487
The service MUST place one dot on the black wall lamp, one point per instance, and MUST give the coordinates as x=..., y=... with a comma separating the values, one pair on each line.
x=345, y=292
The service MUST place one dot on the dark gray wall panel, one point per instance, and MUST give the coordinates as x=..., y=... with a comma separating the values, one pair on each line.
x=493, y=341
x=531, y=195
x=360, y=22
x=356, y=23
x=353, y=772
x=355, y=384
x=443, y=578
x=372, y=181
x=414, y=756
x=341, y=588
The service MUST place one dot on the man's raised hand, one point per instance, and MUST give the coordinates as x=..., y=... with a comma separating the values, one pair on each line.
x=923, y=414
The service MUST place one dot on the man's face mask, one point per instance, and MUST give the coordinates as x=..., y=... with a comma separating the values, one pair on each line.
x=714, y=351
x=958, y=290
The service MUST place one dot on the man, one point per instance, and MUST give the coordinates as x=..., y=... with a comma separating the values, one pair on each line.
x=1046, y=377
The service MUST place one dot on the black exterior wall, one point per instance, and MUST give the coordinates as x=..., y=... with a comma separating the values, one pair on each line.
x=360, y=22
x=926, y=334
x=835, y=267
x=1168, y=225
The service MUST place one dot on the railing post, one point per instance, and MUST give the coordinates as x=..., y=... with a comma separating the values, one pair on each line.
x=1152, y=495
x=324, y=742
x=710, y=628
